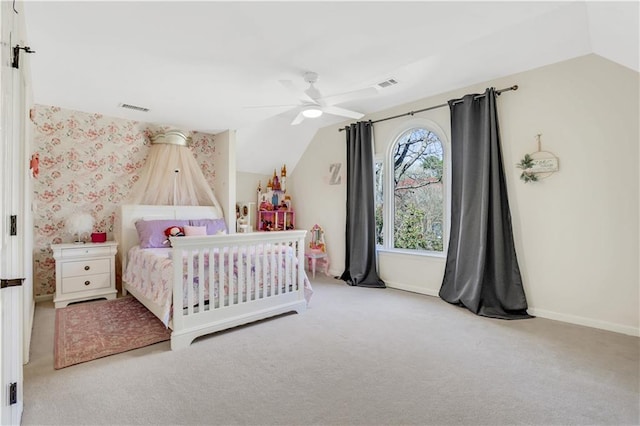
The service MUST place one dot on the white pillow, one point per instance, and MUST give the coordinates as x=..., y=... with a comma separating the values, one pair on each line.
x=190, y=231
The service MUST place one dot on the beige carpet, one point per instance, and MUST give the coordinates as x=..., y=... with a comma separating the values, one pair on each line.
x=92, y=330
x=357, y=356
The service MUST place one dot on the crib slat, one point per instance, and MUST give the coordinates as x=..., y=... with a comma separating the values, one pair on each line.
x=300, y=259
x=265, y=271
x=257, y=272
x=280, y=271
x=248, y=280
x=233, y=251
x=189, y=283
x=290, y=265
x=201, y=279
x=244, y=294
x=240, y=278
x=210, y=275
x=272, y=267
x=221, y=294
x=246, y=288
x=283, y=250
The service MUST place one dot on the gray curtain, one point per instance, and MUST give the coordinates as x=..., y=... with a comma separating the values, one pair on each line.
x=481, y=272
x=360, y=258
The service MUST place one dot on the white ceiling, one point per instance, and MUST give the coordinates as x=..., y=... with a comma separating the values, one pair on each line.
x=198, y=65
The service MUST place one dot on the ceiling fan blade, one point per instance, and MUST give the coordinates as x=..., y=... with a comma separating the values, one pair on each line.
x=298, y=119
x=313, y=93
x=342, y=112
x=348, y=96
x=297, y=93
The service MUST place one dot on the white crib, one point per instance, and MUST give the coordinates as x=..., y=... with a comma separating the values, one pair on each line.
x=263, y=273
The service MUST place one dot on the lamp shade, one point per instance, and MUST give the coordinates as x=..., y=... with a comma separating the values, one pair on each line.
x=78, y=224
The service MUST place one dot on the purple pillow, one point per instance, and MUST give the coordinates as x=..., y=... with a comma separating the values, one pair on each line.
x=214, y=226
x=151, y=232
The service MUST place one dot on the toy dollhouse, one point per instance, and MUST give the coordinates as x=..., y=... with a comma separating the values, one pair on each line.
x=274, y=204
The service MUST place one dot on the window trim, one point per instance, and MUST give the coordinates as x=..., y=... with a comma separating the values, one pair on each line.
x=388, y=210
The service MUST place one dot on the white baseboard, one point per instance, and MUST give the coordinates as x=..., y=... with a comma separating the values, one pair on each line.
x=43, y=298
x=588, y=322
x=334, y=273
x=413, y=289
x=542, y=313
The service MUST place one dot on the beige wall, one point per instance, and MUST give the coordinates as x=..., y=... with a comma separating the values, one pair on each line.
x=225, y=186
x=576, y=232
x=247, y=185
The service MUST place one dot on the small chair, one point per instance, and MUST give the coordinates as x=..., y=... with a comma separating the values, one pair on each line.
x=317, y=251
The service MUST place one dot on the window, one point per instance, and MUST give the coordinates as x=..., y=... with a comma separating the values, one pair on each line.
x=414, y=219
x=379, y=198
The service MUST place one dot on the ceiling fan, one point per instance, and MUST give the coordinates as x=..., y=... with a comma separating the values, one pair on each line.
x=313, y=104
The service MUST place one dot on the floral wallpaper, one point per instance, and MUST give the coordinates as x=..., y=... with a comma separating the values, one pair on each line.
x=88, y=162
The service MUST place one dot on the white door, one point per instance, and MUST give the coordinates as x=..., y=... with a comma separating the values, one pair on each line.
x=14, y=220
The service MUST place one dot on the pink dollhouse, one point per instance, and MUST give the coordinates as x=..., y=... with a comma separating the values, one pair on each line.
x=274, y=204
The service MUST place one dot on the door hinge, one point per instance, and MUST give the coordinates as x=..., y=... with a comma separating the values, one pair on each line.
x=16, y=54
x=13, y=225
x=11, y=282
x=13, y=393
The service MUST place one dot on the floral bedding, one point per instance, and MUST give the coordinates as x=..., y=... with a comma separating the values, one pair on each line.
x=150, y=271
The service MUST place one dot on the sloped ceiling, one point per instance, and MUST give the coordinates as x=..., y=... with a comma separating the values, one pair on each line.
x=204, y=65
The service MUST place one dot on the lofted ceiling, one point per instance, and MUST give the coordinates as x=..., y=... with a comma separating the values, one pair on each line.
x=204, y=66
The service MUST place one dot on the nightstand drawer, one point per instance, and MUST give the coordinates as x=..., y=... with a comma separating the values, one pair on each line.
x=92, y=251
x=85, y=283
x=86, y=267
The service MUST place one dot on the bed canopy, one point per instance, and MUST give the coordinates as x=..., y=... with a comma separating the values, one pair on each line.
x=172, y=176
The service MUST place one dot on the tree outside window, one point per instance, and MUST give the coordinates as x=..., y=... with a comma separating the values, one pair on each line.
x=418, y=192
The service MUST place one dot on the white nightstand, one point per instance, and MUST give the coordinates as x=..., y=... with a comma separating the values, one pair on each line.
x=84, y=271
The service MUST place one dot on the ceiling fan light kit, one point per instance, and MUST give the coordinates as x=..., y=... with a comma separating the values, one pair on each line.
x=312, y=112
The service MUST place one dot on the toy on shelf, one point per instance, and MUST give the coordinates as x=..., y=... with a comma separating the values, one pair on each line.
x=274, y=204
x=245, y=216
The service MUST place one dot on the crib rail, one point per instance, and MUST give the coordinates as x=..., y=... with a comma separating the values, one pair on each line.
x=235, y=273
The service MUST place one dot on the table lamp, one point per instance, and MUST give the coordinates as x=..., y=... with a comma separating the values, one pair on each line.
x=79, y=225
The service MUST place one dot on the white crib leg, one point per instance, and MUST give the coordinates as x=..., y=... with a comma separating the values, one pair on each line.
x=180, y=341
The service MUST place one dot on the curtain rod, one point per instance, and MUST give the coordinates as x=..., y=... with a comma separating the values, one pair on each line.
x=514, y=87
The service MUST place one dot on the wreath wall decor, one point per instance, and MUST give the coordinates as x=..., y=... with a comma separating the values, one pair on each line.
x=538, y=165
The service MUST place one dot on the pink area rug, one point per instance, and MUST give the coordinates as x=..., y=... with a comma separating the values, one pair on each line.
x=87, y=331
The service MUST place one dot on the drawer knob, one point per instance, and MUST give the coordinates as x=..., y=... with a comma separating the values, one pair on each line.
x=87, y=282
x=86, y=268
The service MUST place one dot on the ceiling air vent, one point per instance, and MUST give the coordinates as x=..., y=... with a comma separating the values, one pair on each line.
x=134, y=107
x=387, y=83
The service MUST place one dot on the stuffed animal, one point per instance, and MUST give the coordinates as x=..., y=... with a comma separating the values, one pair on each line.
x=173, y=231
x=34, y=165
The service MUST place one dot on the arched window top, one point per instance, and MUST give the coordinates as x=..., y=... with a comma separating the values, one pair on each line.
x=418, y=158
